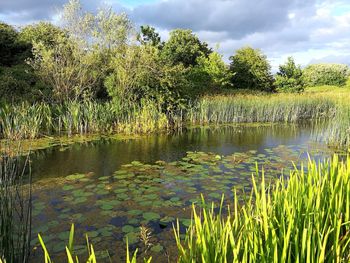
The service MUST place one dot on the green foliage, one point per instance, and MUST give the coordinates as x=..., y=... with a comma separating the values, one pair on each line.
x=15, y=205
x=289, y=78
x=304, y=219
x=139, y=73
x=326, y=74
x=263, y=108
x=42, y=32
x=184, y=47
x=72, y=76
x=12, y=50
x=19, y=83
x=251, y=70
x=149, y=36
x=218, y=72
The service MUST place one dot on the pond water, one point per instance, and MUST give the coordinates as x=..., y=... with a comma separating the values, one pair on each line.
x=110, y=188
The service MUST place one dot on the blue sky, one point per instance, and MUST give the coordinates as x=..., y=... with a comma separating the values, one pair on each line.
x=309, y=30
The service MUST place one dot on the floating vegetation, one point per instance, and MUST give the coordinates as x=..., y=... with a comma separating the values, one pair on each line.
x=152, y=195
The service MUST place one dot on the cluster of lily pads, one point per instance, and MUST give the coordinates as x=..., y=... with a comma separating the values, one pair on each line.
x=111, y=209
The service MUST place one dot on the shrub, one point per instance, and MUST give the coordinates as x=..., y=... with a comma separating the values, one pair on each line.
x=289, y=78
x=251, y=70
x=326, y=74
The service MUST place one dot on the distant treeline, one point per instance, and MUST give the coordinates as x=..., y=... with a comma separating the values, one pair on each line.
x=104, y=57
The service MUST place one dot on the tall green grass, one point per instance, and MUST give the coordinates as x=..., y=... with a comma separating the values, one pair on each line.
x=15, y=209
x=26, y=121
x=261, y=108
x=305, y=218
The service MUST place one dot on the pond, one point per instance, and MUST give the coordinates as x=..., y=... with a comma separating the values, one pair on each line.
x=109, y=188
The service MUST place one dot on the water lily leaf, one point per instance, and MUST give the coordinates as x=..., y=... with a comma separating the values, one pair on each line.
x=128, y=229
x=157, y=248
x=150, y=216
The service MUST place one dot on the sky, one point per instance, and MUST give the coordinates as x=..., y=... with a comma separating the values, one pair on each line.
x=311, y=31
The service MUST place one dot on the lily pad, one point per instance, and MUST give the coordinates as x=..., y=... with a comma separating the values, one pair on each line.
x=150, y=216
x=128, y=229
x=157, y=248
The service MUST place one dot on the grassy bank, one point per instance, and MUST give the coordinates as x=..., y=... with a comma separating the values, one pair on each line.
x=305, y=218
x=39, y=120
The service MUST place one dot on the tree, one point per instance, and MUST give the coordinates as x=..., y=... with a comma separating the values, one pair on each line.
x=251, y=70
x=218, y=72
x=149, y=36
x=66, y=67
x=43, y=32
x=326, y=74
x=12, y=51
x=141, y=73
x=184, y=47
x=290, y=77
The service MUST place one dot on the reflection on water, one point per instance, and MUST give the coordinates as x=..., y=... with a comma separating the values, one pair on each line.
x=106, y=156
x=110, y=188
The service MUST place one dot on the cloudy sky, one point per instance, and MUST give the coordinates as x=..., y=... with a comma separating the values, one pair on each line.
x=309, y=30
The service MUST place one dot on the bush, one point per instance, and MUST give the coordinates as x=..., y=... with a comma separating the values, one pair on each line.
x=251, y=70
x=19, y=83
x=326, y=74
x=290, y=77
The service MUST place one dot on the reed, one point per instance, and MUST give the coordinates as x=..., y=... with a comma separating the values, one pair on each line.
x=26, y=121
x=305, y=218
x=91, y=258
x=15, y=209
x=261, y=108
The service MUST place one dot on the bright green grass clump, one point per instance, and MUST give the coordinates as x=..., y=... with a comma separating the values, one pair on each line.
x=303, y=219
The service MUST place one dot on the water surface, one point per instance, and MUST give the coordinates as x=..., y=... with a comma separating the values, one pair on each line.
x=110, y=188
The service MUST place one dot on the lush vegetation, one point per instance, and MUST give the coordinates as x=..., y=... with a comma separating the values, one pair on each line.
x=97, y=73
x=304, y=218
x=326, y=74
x=15, y=209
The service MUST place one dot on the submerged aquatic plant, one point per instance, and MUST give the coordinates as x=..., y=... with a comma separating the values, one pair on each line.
x=15, y=209
x=303, y=219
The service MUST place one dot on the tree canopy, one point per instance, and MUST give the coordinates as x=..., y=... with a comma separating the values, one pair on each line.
x=289, y=78
x=251, y=70
x=184, y=47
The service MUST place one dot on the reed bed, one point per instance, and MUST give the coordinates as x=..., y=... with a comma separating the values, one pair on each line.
x=15, y=209
x=305, y=218
x=262, y=108
x=26, y=121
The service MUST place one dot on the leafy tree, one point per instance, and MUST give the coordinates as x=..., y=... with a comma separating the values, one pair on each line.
x=184, y=47
x=141, y=73
x=43, y=32
x=66, y=67
x=11, y=49
x=326, y=74
x=251, y=70
x=218, y=72
x=19, y=83
x=290, y=77
x=149, y=36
